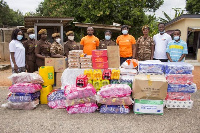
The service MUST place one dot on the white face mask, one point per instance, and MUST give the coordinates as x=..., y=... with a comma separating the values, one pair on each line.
x=71, y=38
x=58, y=40
x=32, y=36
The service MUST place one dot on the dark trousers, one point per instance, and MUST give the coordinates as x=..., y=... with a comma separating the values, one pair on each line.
x=162, y=60
x=122, y=59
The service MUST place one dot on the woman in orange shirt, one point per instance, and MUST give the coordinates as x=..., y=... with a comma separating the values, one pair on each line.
x=126, y=44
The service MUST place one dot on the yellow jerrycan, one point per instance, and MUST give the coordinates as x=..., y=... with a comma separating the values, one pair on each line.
x=47, y=74
x=44, y=92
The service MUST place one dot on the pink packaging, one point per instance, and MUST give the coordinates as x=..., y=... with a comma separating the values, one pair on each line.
x=179, y=96
x=82, y=108
x=91, y=99
x=180, y=78
x=115, y=90
x=73, y=92
x=57, y=104
x=115, y=101
x=25, y=87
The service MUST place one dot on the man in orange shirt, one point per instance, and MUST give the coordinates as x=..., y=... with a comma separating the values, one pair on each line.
x=126, y=44
x=89, y=42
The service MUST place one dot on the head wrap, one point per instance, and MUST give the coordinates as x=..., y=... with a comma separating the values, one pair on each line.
x=69, y=32
x=42, y=31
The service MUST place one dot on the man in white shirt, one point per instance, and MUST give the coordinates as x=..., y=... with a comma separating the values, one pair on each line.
x=161, y=40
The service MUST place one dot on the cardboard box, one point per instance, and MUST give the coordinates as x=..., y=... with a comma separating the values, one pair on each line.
x=85, y=59
x=153, y=87
x=58, y=80
x=60, y=64
x=100, y=65
x=50, y=62
x=113, y=51
x=198, y=55
x=114, y=62
x=99, y=59
x=144, y=106
x=98, y=53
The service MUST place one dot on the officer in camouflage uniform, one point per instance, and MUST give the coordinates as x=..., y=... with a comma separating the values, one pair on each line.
x=42, y=49
x=30, y=51
x=56, y=49
x=70, y=44
x=145, y=46
x=107, y=42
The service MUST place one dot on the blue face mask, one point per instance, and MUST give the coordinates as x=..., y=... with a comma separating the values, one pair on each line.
x=176, y=38
x=32, y=36
x=124, y=32
x=107, y=37
x=19, y=37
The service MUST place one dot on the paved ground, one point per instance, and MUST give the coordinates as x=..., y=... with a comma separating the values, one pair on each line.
x=46, y=120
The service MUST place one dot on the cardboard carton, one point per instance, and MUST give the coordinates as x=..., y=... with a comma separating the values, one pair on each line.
x=100, y=65
x=99, y=53
x=114, y=62
x=60, y=64
x=113, y=51
x=99, y=59
x=50, y=62
x=58, y=80
x=144, y=106
x=153, y=87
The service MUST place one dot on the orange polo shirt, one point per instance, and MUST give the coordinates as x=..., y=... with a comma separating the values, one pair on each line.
x=89, y=43
x=125, y=43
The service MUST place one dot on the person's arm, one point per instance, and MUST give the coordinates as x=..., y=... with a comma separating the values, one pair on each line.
x=14, y=62
x=97, y=44
x=185, y=51
x=66, y=50
x=169, y=58
x=152, y=48
x=134, y=50
x=137, y=45
x=82, y=43
x=181, y=58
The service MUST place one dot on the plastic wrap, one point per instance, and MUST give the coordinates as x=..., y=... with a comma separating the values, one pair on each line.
x=56, y=95
x=91, y=99
x=130, y=64
x=26, y=78
x=114, y=109
x=57, y=104
x=186, y=88
x=23, y=105
x=179, y=78
x=179, y=104
x=124, y=71
x=82, y=108
x=156, y=67
x=115, y=101
x=73, y=92
x=25, y=88
x=178, y=68
x=23, y=97
x=179, y=96
x=115, y=90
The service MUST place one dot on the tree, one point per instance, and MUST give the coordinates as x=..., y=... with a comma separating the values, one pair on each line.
x=10, y=17
x=193, y=6
x=129, y=12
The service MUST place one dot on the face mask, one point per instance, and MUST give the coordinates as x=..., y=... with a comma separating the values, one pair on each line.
x=32, y=36
x=124, y=32
x=58, y=40
x=107, y=37
x=19, y=37
x=176, y=38
x=71, y=38
x=161, y=32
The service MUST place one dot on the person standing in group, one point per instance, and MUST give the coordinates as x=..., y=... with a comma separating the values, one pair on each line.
x=56, y=49
x=145, y=45
x=161, y=40
x=30, y=51
x=42, y=49
x=89, y=42
x=126, y=44
x=107, y=42
x=177, y=48
x=17, y=52
x=70, y=44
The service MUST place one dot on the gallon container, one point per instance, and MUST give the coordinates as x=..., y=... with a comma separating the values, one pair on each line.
x=47, y=74
x=44, y=92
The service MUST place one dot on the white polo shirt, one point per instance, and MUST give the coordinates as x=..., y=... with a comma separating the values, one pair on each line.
x=161, y=42
x=19, y=50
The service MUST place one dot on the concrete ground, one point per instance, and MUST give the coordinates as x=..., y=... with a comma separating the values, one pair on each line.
x=46, y=120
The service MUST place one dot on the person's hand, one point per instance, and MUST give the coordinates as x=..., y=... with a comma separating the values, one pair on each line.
x=16, y=68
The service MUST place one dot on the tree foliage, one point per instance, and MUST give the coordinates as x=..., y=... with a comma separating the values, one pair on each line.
x=10, y=17
x=193, y=6
x=129, y=12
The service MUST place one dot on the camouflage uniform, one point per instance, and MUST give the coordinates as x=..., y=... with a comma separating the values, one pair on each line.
x=70, y=45
x=104, y=43
x=56, y=48
x=144, y=48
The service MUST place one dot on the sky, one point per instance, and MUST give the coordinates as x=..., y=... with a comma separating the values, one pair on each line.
x=31, y=5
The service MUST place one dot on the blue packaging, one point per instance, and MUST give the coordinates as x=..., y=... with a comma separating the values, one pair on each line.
x=151, y=66
x=114, y=109
x=56, y=95
x=186, y=88
x=178, y=68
